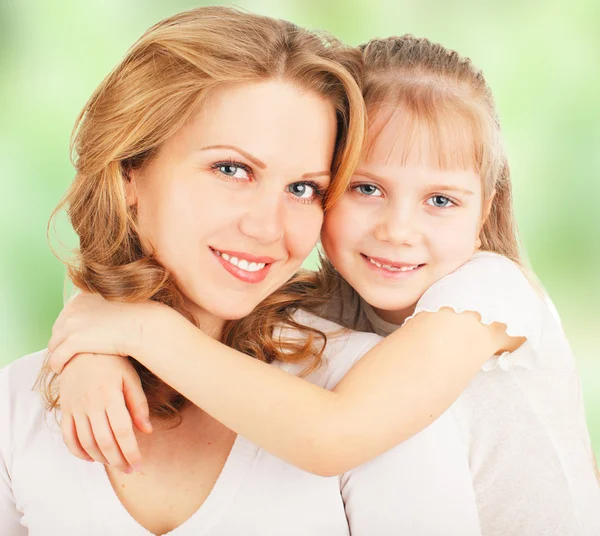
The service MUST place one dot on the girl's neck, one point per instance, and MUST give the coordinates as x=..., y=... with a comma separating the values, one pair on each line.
x=396, y=316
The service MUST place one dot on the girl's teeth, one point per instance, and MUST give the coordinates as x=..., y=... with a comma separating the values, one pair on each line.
x=393, y=268
x=242, y=263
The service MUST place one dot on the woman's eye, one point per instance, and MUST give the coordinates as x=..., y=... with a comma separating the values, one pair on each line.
x=368, y=189
x=232, y=170
x=439, y=201
x=302, y=190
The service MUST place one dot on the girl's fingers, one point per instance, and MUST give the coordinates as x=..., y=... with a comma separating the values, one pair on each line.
x=69, y=434
x=86, y=438
x=122, y=429
x=61, y=355
x=106, y=442
x=136, y=402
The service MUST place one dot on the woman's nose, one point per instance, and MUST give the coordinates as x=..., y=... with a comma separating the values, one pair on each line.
x=263, y=218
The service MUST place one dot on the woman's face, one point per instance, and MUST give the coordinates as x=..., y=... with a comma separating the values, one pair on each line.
x=404, y=223
x=232, y=202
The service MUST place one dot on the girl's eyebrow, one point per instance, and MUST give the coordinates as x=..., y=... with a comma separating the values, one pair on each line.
x=444, y=187
x=368, y=175
x=449, y=187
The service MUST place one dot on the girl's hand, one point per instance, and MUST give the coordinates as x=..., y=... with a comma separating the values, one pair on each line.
x=89, y=323
x=101, y=398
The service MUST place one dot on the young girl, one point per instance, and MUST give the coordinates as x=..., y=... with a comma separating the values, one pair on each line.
x=422, y=248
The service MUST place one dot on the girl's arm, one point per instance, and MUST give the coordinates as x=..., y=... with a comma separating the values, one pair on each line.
x=394, y=391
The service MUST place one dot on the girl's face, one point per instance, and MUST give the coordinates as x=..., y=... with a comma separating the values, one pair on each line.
x=232, y=202
x=404, y=223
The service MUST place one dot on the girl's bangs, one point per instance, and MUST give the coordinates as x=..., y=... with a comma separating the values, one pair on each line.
x=433, y=129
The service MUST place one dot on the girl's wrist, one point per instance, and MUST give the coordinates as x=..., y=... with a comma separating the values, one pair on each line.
x=152, y=323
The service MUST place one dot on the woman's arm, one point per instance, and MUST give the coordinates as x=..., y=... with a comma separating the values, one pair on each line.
x=398, y=387
x=9, y=515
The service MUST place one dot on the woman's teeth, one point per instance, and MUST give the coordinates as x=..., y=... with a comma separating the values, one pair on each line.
x=243, y=264
x=393, y=268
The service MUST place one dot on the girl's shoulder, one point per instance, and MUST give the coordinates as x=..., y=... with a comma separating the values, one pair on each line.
x=499, y=291
x=486, y=281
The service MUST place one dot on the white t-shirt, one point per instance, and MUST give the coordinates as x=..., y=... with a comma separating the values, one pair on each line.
x=521, y=419
x=422, y=487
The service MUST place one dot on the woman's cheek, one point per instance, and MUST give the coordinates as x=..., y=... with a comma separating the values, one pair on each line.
x=303, y=233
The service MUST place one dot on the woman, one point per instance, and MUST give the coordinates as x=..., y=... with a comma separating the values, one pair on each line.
x=204, y=165
x=425, y=250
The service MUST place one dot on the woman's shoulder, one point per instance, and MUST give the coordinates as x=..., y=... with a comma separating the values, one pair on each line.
x=22, y=410
x=343, y=348
x=340, y=339
x=19, y=377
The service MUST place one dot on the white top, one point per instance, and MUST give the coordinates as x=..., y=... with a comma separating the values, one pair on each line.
x=423, y=487
x=521, y=419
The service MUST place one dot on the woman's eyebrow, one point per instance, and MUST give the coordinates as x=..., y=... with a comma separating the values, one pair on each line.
x=261, y=164
x=316, y=174
x=247, y=155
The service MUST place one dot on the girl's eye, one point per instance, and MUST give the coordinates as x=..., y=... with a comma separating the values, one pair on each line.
x=233, y=170
x=368, y=189
x=305, y=191
x=440, y=201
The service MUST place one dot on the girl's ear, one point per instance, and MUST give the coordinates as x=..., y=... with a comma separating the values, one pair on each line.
x=487, y=207
x=485, y=212
x=130, y=181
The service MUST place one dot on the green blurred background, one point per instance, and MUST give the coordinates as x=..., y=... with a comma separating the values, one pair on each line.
x=541, y=59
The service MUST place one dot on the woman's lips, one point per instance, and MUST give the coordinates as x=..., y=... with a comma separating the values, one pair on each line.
x=245, y=267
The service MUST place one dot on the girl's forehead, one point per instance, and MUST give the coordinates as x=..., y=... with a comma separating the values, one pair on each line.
x=436, y=139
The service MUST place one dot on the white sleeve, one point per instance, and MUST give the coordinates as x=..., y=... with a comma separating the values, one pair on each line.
x=422, y=487
x=499, y=291
x=9, y=515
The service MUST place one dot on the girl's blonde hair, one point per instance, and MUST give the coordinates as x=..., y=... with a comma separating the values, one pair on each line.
x=437, y=90
x=154, y=90
x=440, y=90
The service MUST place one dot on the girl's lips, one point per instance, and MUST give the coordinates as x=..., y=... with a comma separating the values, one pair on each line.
x=244, y=275
x=395, y=270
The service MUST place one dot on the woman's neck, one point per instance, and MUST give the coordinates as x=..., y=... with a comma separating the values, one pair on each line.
x=207, y=322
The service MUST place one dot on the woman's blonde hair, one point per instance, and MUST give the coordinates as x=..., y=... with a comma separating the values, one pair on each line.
x=443, y=93
x=153, y=91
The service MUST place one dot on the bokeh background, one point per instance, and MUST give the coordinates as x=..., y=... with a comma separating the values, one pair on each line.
x=542, y=59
